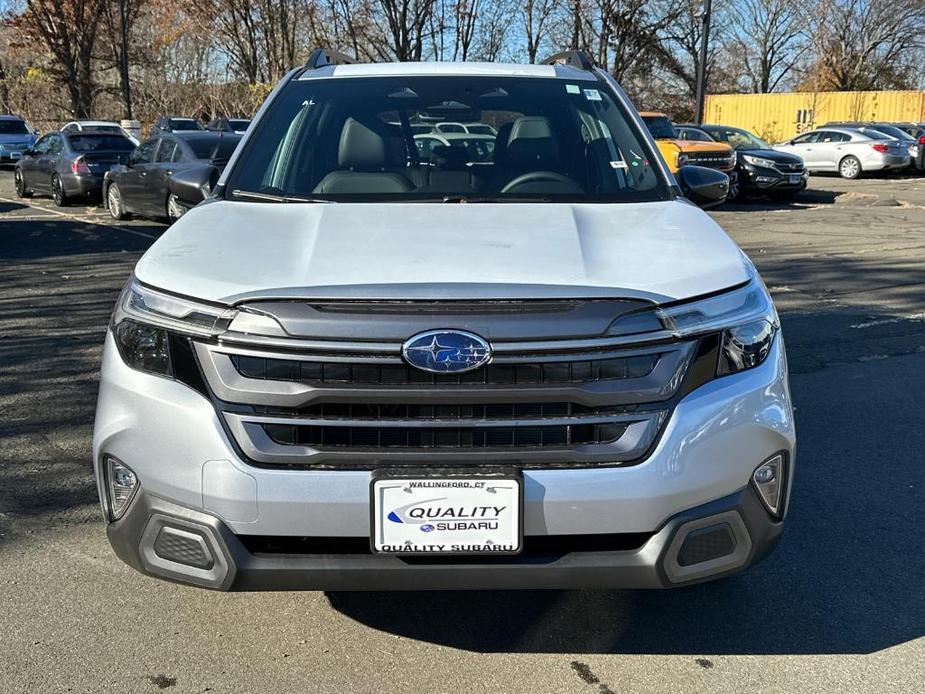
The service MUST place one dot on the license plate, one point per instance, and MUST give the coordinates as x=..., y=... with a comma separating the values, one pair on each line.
x=796, y=178
x=447, y=513
x=15, y=155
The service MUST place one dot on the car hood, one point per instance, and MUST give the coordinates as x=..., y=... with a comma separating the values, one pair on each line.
x=773, y=155
x=229, y=252
x=26, y=139
x=693, y=146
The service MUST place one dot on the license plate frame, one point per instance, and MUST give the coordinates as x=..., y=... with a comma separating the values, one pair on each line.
x=795, y=178
x=391, y=540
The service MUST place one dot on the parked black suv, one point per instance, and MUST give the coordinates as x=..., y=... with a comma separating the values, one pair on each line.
x=759, y=169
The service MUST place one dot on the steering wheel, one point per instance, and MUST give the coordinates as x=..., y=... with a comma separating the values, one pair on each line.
x=541, y=177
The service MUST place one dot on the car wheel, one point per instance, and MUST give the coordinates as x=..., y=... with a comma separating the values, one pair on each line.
x=57, y=191
x=849, y=167
x=174, y=210
x=114, y=202
x=21, y=190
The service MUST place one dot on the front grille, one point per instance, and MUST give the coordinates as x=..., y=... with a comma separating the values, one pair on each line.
x=274, y=369
x=323, y=437
x=717, y=160
x=584, y=400
x=789, y=168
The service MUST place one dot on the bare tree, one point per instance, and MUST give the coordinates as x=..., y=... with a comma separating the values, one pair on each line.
x=466, y=12
x=769, y=37
x=679, y=48
x=625, y=35
x=405, y=22
x=867, y=44
x=537, y=17
x=69, y=30
x=492, y=28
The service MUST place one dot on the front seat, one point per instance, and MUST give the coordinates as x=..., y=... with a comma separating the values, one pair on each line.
x=361, y=158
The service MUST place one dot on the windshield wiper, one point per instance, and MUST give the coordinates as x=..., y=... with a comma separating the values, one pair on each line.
x=483, y=198
x=272, y=197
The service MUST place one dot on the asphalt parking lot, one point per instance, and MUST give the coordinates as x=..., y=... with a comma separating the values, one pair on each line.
x=839, y=607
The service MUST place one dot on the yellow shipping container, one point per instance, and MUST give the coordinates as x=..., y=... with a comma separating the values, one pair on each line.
x=780, y=116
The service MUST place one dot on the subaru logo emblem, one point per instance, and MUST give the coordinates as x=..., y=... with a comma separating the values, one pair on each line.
x=446, y=351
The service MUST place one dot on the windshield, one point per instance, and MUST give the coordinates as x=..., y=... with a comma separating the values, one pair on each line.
x=101, y=143
x=892, y=131
x=239, y=124
x=13, y=127
x=393, y=139
x=737, y=138
x=214, y=148
x=184, y=124
x=660, y=127
x=104, y=128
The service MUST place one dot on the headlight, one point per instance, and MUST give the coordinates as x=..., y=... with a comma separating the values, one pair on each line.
x=759, y=161
x=745, y=318
x=144, y=318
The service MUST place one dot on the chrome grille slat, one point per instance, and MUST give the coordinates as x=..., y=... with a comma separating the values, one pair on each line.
x=439, y=423
x=259, y=447
x=230, y=386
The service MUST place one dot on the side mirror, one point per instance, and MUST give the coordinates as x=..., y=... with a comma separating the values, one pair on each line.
x=703, y=186
x=193, y=185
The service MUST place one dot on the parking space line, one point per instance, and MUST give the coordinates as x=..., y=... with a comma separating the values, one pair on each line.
x=76, y=218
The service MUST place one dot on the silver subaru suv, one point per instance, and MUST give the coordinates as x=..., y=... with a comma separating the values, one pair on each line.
x=444, y=326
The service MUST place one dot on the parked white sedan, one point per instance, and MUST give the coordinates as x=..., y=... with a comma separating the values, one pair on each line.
x=849, y=152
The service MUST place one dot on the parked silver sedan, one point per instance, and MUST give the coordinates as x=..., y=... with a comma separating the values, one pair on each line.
x=847, y=151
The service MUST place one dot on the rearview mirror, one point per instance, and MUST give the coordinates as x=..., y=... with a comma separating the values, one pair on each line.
x=703, y=186
x=193, y=185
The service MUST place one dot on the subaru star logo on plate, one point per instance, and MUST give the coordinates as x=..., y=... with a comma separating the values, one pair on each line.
x=446, y=351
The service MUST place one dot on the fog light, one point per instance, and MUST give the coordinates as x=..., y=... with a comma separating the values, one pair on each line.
x=768, y=479
x=122, y=483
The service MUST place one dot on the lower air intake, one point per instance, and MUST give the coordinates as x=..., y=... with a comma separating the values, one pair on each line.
x=183, y=547
x=708, y=543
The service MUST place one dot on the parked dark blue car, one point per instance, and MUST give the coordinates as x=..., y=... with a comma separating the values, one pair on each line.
x=15, y=136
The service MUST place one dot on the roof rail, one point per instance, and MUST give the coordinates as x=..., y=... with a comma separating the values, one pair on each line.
x=322, y=57
x=575, y=58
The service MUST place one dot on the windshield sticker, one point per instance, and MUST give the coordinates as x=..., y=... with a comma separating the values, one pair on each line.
x=619, y=164
x=572, y=89
x=592, y=95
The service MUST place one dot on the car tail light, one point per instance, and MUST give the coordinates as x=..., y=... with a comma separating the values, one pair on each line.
x=79, y=166
x=922, y=139
x=880, y=147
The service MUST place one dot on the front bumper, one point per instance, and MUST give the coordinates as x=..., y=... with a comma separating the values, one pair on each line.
x=662, y=561
x=760, y=179
x=10, y=156
x=171, y=437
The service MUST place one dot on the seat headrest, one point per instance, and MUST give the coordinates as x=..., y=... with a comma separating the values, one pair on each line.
x=532, y=143
x=360, y=147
